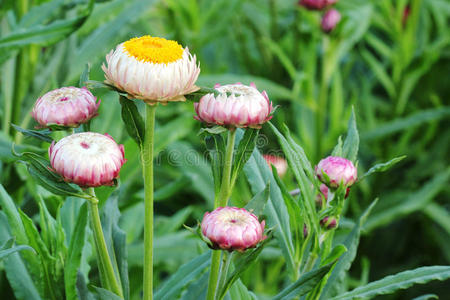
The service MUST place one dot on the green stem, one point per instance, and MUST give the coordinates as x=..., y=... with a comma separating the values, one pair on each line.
x=321, y=110
x=221, y=200
x=223, y=273
x=225, y=187
x=147, y=164
x=105, y=263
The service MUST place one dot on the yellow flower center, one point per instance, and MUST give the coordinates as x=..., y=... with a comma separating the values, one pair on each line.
x=153, y=49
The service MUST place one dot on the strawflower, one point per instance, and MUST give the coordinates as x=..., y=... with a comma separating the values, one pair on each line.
x=236, y=105
x=66, y=106
x=152, y=69
x=232, y=228
x=88, y=159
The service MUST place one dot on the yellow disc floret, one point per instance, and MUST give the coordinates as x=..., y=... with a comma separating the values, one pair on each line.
x=153, y=49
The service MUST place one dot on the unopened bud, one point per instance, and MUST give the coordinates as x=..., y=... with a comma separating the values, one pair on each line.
x=328, y=223
x=330, y=19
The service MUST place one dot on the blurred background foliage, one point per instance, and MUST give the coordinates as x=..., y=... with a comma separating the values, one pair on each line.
x=390, y=66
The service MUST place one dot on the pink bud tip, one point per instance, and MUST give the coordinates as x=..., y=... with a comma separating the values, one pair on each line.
x=330, y=20
x=232, y=228
x=338, y=169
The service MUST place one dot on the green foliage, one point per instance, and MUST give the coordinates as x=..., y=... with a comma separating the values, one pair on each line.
x=398, y=281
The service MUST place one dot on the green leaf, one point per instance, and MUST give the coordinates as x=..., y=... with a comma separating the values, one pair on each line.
x=305, y=284
x=39, y=168
x=337, y=151
x=426, y=297
x=383, y=166
x=133, y=120
x=216, y=150
x=303, y=173
x=82, y=290
x=242, y=264
x=258, y=175
x=73, y=260
x=335, y=254
x=213, y=130
x=239, y=291
x=18, y=276
x=351, y=143
x=403, y=280
x=351, y=242
x=106, y=295
x=8, y=248
x=416, y=119
x=244, y=151
x=45, y=34
x=84, y=77
x=186, y=273
x=43, y=135
x=439, y=214
x=416, y=201
x=379, y=71
x=258, y=203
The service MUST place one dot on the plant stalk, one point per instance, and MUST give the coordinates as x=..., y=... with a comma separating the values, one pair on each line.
x=105, y=264
x=147, y=165
x=221, y=200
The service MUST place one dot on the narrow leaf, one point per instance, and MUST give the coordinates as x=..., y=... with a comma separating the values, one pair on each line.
x=133, y=121
x=305, y=284
x=351, y=143
x=258, y=203
x=43, y=135
x=187, y=272
x=244, y=151
x=73, y=260
x=383, y=166
x=403, y=280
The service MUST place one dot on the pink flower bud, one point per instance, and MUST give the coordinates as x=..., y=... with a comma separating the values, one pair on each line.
x=278, y=162
x=316, y=4
x=237, y=105
x=339, y=170
x=67, y=106
x=330, y=19
x=232, y=228
x=328, y=223
x=88, y=159
x=321, y=196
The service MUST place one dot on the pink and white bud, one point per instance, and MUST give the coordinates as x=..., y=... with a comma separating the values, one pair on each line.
x=279, y=163
x=338, y=169
x=316, y=4
x=330, y=19
x=237, y=105
x=232, y=228
x=88, y=159
x=328, y=223
x=67, y=106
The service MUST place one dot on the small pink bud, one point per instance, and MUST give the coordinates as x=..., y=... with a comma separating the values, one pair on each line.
x=330, y=19
x=88, y=159
x=237, y=105
x=305, y=231
x=322, y=195
x=328, y=223
x=406, y=13
x=278, y=162
x=67, y=106
x=316, y=4
x=232, y=228
x=338, y=169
